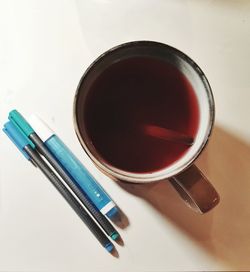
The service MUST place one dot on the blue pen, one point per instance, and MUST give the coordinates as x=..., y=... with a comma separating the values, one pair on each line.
x=74, y=167
x=27, y=148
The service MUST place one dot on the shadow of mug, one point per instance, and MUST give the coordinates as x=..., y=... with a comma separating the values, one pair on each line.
x=224, y=232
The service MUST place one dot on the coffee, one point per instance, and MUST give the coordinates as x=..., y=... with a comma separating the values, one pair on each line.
x=131, y=94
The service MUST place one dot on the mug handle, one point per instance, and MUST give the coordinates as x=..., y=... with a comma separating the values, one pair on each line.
x=195, y=189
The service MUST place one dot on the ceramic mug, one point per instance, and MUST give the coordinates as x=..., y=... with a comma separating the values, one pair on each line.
x=187, y=179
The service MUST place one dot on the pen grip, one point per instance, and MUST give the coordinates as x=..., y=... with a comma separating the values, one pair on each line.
x=75, y=205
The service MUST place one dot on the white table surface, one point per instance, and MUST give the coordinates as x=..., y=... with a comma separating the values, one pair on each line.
x=45, y=46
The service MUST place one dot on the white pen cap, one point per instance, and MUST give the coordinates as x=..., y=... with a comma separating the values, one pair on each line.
x=40, y=127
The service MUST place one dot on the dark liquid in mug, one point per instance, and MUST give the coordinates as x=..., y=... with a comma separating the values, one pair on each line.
x=131, y=94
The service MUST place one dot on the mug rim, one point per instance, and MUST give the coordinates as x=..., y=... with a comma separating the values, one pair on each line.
x=157, y=175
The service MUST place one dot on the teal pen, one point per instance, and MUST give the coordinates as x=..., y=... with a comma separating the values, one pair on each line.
x=89, y=186
x=28, y=150
x=18, y=120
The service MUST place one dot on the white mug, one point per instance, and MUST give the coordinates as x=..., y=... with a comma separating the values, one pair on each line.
x=191, y=184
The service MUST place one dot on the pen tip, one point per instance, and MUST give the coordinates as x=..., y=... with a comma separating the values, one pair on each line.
x=114, y=236
x=109, y=247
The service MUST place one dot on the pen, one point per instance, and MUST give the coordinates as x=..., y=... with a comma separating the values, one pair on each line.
x=20, y=121
x=39, y=132
x=28, y=150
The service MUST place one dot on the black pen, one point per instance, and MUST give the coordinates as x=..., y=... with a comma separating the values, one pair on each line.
x=28, y=149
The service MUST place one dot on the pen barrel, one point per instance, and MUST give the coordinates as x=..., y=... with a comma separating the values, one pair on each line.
x=84, y=180
x=68, y=196
x=99, y=217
